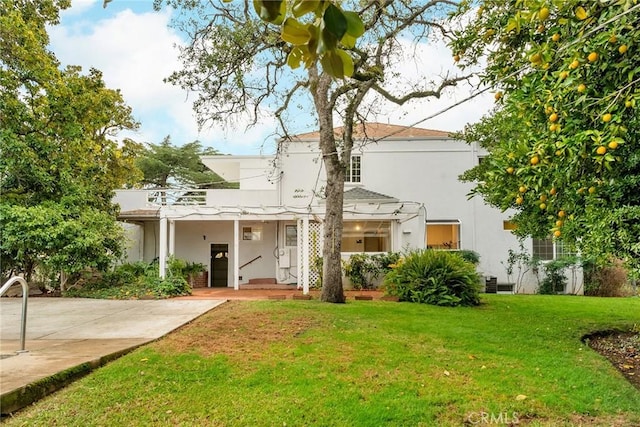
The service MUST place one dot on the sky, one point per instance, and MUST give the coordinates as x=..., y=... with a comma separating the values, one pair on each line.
x=135, y=49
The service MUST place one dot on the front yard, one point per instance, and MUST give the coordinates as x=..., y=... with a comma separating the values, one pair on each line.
x=513, y=359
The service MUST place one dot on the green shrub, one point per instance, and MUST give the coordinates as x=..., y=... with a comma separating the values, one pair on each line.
x=137, y=280
x=470, y=256
x=434, y=277
x=363, y=269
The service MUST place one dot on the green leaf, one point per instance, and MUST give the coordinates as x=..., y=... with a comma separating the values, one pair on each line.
x=335, y=21
x=294, y=32
x=272, y=11
x=355, y=26
x=302, y=7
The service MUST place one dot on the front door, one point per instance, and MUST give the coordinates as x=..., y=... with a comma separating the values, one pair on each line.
x=219, y=264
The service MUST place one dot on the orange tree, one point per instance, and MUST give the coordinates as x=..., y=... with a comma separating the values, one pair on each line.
x=564, y=136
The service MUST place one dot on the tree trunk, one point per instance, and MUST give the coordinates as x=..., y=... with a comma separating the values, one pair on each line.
x=332, y=263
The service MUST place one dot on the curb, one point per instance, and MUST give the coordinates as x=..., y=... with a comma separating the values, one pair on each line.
x=21, y=397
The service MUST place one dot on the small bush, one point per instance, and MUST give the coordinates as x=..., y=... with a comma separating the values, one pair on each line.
x=363, y=270
x=555, y=280
x=606, y=281
x=434, y=277
x=470, y=256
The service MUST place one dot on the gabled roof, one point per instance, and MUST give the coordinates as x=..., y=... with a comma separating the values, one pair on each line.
x=360, y=194
x=376, y=130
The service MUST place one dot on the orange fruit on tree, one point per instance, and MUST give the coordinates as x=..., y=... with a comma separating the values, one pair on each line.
x=552, y=191
x=543, y=206
x=623, y=49
x=553, y=127
x=559, y=223
x=607, y=118
x=456, y=58
x=522, y=189
x=519, y=200
x=535, y=160
x=548, y=109
x=581, y=87
x=613, y=144
x=558, y=152
x=543, y=198
x=575, y=64
x=613, y=39
x=555, y=37
x=564, y=75
x=593, y=57
x=553, y=117
x=543, y=13
x=498, y=95
x=592, y=190
x=510, y=170
x=601, y=150
x=562, y=214
x=557, y=233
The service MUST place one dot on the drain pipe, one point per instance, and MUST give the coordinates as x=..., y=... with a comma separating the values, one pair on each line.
x=25, y=296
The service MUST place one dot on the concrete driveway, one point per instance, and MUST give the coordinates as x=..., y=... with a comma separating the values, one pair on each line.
x=74, y=336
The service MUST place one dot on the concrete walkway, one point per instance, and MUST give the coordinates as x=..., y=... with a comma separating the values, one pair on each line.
x=67, y=338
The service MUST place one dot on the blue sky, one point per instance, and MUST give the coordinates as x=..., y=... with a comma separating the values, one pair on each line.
x=134, y=48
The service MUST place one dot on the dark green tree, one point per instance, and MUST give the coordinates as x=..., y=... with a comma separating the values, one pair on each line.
x=564, y=137
x=59, y=160
x=165, y=165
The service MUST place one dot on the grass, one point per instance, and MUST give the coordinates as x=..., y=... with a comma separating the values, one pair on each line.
x=266, y=363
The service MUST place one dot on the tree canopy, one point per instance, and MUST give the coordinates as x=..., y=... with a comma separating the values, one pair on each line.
x=166, y=165
x=564, y=137
x=343, y=56
x=59, y=160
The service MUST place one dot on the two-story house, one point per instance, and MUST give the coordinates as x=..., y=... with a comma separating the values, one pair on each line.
x=401, y=192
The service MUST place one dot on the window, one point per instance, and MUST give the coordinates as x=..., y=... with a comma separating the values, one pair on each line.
x=548, y=249
x=443, y=234
x=249, y=233
x=366, y=236
x=353, y=170
x=291, y=235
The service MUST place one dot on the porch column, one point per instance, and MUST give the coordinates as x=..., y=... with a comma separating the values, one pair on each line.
x=305, y=255
x=236, y=254
x=162, y=250
x=172, y=237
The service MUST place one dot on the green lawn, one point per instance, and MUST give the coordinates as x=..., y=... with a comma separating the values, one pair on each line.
x=291, y=363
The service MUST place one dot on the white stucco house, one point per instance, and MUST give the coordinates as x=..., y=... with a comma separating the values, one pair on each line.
x=401, y=192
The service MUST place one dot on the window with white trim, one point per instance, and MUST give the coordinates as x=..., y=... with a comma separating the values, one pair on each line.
x=443, y=234
x=354, y=169
x=366, y=236
x=548, y=249
x=291, y=235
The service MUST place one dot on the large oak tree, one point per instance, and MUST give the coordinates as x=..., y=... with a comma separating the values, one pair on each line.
x=340, y=57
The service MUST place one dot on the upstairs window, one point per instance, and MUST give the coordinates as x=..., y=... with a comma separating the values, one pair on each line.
x=353, y=170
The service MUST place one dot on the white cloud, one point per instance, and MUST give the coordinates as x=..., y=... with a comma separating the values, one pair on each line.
x=78, y=7
x=136, y=51
x=426, y=62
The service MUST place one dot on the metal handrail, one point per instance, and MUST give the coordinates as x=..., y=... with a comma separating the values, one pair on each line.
x=25, y=296
x=249, y=262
